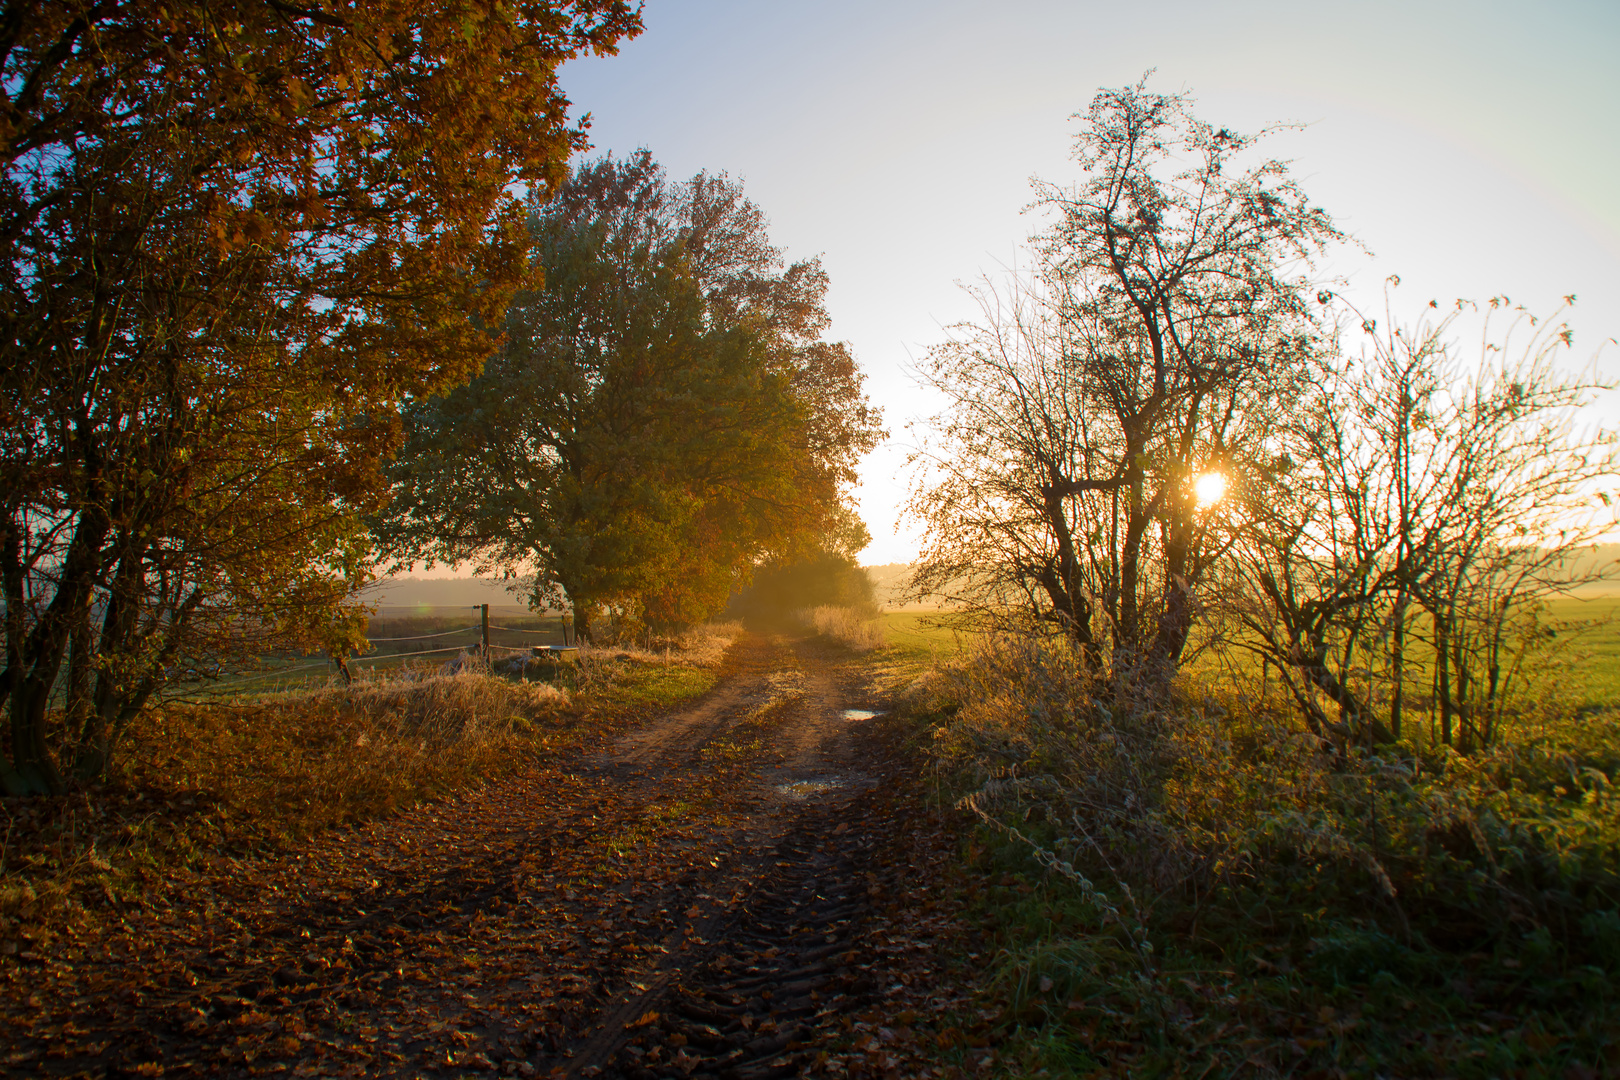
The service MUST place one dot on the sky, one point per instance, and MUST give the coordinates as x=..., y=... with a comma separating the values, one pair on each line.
x=1473, y=149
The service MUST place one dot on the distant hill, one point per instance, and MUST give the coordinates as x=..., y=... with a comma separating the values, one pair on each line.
x=393, y=594
x=1604, y=559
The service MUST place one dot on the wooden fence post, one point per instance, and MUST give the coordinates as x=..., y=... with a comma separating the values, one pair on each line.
x=486, y=632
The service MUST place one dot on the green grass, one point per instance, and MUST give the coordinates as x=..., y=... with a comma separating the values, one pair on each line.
x=909, y=633
x=1346, y=1000
x=659, y=686
x=1590, y=640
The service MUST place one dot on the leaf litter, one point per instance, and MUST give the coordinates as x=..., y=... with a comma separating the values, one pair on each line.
x=670, y=917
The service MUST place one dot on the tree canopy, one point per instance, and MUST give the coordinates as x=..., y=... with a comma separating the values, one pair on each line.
x=662, y=415
x=234, y=241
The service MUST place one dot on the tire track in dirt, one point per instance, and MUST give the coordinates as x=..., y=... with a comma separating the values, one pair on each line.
x=778, y=963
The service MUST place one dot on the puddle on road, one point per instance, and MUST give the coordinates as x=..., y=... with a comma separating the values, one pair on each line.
x=807, y=789
x=858, y=714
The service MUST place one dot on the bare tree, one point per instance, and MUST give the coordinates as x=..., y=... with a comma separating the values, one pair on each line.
x=1433, y=503
x=1155, y=342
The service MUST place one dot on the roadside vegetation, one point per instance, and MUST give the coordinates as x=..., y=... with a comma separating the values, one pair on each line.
x=1209, y=885
x=1291, y=750
x=207, y=784
x=857, y=629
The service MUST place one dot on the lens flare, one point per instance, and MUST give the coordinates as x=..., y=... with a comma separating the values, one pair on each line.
x=1209, y=488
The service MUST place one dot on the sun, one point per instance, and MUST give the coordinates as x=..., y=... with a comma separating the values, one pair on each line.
x=1209, y=488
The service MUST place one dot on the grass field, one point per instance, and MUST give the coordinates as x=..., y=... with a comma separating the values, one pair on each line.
x=908, y=632
x=397, y=640
x=1590, y=644
x=1584, y=666
x=1589, y=652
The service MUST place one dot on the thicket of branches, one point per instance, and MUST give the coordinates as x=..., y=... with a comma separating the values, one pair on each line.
x=1161, y=333
x=1305, y=731
x=1434, y=500
x=1394, y=512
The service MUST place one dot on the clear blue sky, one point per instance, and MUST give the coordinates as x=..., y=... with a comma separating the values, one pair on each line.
x=1472, y=148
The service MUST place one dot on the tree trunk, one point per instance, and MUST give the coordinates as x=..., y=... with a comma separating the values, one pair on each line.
x=1356, y=720
x=31, y=758
x=1176, y=616
x=1442, y=676
x=1397, y=664
x=43, y=650
x=1063, y=585
x=11, y=581
x=1175, y=625
x=1465, y=717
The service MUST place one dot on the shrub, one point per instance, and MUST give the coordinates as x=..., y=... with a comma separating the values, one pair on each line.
x=1225, y=795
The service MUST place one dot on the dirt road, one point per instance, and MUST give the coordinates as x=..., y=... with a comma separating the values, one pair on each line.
x=708, y=894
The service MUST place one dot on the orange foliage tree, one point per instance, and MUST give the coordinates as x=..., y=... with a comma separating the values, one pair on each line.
x=236, y=238
x=663, y=415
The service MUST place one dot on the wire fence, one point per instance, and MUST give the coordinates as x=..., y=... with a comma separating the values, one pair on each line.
x=223, y=686
x=443, y=633
x=505, y=651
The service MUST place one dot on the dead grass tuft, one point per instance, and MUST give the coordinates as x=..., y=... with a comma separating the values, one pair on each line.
x=859, y=630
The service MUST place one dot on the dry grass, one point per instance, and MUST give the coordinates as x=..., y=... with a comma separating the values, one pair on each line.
x=701, y=647
x=859, y=630
x=203, y=782
x=346, y=752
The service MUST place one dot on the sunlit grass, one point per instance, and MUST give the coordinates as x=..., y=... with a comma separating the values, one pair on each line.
x=1591, y=631
x=911, y=632
x=661, y=686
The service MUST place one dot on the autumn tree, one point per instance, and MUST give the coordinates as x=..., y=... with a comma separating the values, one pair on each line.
x=662, y=415
x=1158, y=337
x=235, y=239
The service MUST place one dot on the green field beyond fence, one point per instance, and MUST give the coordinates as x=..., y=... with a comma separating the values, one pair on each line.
x=911, y=632
x=397, y=638
x=1589, y=630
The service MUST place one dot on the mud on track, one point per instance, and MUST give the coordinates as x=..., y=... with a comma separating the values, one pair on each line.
x=693, y=898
